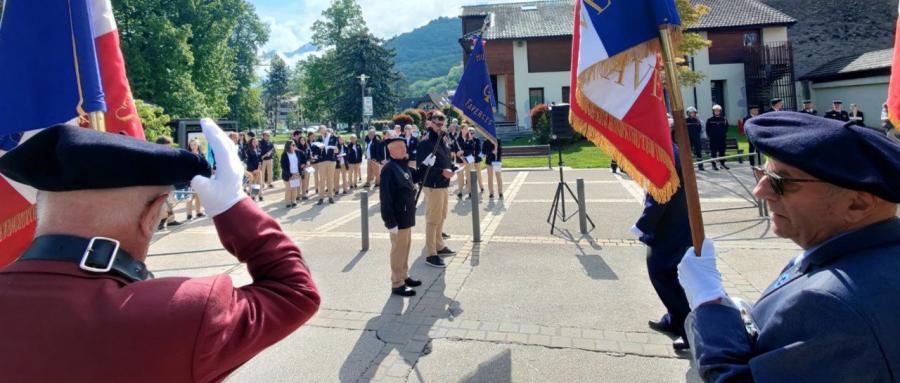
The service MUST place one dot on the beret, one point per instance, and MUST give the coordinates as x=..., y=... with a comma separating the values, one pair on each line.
x=393, y=139
x=844, y=154
x=66, y=158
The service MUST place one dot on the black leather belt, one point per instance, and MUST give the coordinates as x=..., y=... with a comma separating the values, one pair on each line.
x=96, y=255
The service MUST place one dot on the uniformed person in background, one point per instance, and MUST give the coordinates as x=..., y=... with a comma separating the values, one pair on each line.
x=753, y=111
x=837, y=112
x=856, y=116
x=777, y=104
x=809, y=108
x=695, y=133
x=832, y=314
x=398, y=211
x=373, y=159
x=436, y=170
x=716, y=130
x=412, y=143
x=80, y=306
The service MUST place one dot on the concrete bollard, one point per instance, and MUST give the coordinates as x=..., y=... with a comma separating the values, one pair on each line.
x=364, y=218
x=476, y=220
x=582, y=208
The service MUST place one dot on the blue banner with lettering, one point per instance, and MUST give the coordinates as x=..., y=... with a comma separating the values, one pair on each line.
x=474, y=96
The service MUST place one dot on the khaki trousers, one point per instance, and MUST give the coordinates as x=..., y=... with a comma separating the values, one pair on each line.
x=316, y=176
x=340, y=174
x=290, y=194
x=494, y=174
x=462, y=178
x=400, y=256
x=326, y=179
x=267, y=172
x=435, y=214
x=373, y=172
x=304, y=184
x=477, y=168
x=354, y=174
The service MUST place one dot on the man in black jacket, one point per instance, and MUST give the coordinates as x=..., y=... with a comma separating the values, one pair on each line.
x=436, y=170
x=398, y=210
x=373, y=158
x=717, y=130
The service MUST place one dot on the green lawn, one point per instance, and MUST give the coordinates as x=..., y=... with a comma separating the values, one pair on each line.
x=580, y=155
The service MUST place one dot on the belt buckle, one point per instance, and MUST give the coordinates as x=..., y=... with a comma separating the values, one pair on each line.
x=90, y=249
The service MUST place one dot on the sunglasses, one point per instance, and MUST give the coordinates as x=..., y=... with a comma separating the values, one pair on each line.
x=776, y=181
x=439, y=118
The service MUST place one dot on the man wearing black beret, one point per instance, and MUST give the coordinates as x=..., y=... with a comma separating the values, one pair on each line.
x=398, y=210
x=832, y=314
x=80, y=306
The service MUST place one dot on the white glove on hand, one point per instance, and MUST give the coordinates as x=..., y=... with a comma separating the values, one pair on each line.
x=699, y=276
x=394, y=230
x=224, y=189
x=637, y=232
x=429, y=161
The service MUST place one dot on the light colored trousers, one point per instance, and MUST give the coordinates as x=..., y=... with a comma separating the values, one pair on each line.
x=400, y=243
x=290, y=194
x=354, y=174
x=491, y=176
x=373, y=172
x=326, y=179
x=435, y=214
x=267, y=172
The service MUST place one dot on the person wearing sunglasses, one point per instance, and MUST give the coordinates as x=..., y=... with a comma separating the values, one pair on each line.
x=833, y=188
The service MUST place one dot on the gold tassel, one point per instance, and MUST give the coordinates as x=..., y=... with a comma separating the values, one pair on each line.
x=17, y=222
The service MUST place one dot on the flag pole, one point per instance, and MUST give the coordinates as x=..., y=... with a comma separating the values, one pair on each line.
x=97, y=121
x=683, y=141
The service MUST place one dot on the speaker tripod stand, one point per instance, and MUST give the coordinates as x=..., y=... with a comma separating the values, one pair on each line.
x=558, y=209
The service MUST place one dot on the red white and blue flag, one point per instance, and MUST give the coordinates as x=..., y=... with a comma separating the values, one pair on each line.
x=893, y=101
x=59, y=60
x=617, y=98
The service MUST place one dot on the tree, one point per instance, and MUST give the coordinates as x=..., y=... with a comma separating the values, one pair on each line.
x=342, y=19
x=154, y=119
x=691, y=42
x=315, y=86
x=275, y=88
x=363, y=53
x=245, y=103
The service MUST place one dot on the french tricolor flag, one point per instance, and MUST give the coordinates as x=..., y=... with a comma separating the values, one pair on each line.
x=59, y=60
x=617, y=98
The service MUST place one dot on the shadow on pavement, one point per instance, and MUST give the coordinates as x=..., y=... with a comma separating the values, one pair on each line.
x=498, y=369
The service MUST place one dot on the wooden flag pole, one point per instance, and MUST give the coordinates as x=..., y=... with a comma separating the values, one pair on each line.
x=97, y=121
x=681, y=138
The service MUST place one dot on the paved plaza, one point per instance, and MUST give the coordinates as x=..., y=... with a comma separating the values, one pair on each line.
x=521, y=305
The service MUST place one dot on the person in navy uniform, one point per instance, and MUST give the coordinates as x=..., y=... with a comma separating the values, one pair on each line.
x=435, y=170
x=837, y=112
x=665, y=229
x=695, y=133
x=354, y=158
x=493, y=159
x=716, y=130
x=777, y=105
x=398, y=211
x=328, y=152
x=412, y=143
x=373, y=159
x=809, y=108
x=832, y=314
x=753, y=111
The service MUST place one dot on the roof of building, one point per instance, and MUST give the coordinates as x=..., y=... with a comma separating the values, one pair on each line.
x=553, y=18
x=740, y=13
x=859, y=65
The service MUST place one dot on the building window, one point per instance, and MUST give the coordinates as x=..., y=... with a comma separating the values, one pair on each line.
x=730, y=47
x=535, y=96
x=565, y=95
x=549, y=55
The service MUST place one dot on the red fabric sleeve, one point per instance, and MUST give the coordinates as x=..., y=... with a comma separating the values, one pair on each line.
x=238, y=323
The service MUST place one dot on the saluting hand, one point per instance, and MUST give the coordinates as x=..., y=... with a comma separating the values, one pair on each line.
x=224, y=189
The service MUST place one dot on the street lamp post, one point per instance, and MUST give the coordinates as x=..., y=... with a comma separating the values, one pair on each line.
x=362, y=85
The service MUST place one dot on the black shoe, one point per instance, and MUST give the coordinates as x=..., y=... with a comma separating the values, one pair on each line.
x=260, y=198
x=162, y=225
x=321, y=201
x=173, y=223
x=412, y=282
x=663, y=326
x=680, y=344
x=700, y=168
x=491, y=196
x=201, y=215
x=725, y=167
x=435, y=261
x=716, y=168
x=446, y=251
x=459, y=195
x=330, y=200
x=304, y=199
x=445, y=236
x=501, y=195
x=346, y=192
x=366, y=185
x=403, y=291
x=190, y=217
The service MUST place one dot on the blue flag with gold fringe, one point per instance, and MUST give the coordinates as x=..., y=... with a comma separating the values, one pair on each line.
x=474, y=96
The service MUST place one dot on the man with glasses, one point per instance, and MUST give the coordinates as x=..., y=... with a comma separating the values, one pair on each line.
x=436, y=170
x=833, y=189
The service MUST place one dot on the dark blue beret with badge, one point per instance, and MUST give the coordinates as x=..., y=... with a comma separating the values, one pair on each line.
x=844, y=154
x=66, y=158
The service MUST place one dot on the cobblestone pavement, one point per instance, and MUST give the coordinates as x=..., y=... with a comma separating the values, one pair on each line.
x=523, y=304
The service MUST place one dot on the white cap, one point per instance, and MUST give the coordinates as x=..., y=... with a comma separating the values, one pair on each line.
x=691, y=109
x=717, y=107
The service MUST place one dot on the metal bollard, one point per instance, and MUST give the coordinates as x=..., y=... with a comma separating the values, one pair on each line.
x=582, y=210
x=364, y=218
x=476, y=220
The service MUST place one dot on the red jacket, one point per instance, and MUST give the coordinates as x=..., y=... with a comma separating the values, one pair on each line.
x=61, y=324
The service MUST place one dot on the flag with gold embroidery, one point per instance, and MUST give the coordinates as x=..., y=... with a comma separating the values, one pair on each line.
x=617, y=98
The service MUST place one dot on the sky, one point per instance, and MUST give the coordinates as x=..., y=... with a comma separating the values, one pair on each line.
x=290, y=20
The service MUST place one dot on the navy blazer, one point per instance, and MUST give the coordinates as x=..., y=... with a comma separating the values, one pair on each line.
x=666, y=226
x=286, y=165
x=253, y=158
x=397, y=195
x=487, y=149
x=354, y=153
x=328, y=154
x=833, y=318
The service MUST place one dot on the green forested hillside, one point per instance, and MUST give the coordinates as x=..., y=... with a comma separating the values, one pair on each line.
x=429, y=51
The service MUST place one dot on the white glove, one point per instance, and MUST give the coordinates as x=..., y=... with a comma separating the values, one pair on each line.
x=637, y=232
x=429, y=161
x=394, y=230
x=224, y=189
x=699, y=276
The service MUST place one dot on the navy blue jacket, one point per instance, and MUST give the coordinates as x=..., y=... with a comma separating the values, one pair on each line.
x=716, y=127
x=253, y=158
x=354, y=153
x=328, y=154
x=441, y=149
x=832, y=318
x=266, y=149
x=286, y=164
x=666, y=226
x=487, y=149
x=397, y=195
x=412, y=144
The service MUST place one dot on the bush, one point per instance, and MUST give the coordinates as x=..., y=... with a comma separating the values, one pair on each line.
x=540, y=123
x=414, y=114
x=424, y=115
x=154, y=119
x=452, y=113
x=402, y=120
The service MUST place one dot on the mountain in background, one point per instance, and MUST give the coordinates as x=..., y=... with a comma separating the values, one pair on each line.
x=429, y=51
x=829, y=29
x=292, y=56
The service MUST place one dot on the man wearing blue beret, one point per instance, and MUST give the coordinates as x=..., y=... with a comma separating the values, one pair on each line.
x=832, y=313
x=80, y=306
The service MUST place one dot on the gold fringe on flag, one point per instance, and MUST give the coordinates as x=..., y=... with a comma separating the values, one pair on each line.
x=17, y=222
x=661, y=194
x=616, y=65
